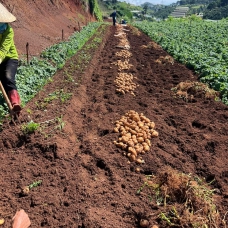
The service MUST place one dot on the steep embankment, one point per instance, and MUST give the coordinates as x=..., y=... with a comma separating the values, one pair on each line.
x=42, y=23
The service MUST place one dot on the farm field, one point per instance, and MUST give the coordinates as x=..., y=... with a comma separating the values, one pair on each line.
x=198, y=44
x=79, y=177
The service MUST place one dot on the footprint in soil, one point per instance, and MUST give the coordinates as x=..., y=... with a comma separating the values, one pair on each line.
x=102, y=133
x=102, y=165
x=197, y=124
x=211, y=146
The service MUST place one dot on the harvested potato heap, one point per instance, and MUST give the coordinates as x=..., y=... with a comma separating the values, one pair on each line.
x=124, y=42
x=124, y=82
x=135, y=130
x=121, y=34
x=124, y=53
x=123, y=65
x=122, y=37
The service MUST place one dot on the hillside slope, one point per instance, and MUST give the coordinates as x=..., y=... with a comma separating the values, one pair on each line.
x=42, y=23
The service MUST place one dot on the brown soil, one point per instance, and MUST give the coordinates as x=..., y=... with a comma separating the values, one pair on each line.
x=45, y=22
x=86, y=179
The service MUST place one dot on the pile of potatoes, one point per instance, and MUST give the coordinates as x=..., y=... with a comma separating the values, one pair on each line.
x=124, y=53
x=123, y=41
x=135, y=130
x=123, y=65
x=124, y=83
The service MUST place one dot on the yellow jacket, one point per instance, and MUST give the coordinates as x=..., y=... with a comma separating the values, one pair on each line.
x=7, y=47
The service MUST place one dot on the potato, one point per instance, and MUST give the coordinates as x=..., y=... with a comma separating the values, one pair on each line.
x=144, y=223
x=152, y=125
x=25, y=190
x=140, y=124
x=146, y=148
x=140, y=134
x=132, y=158
x=154, y=134
x=125, y=139
x=116, y=130
x=148, y=142
x=139, y=161
x=154, y=226
x=140, y=139
x=132, y=151
x=119, y=145
x=137, y=169
x=2, y=221
x=129, y=155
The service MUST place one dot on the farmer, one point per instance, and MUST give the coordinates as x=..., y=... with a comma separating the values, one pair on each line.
x=21, y=220
x=113, y=15
x=8, y=58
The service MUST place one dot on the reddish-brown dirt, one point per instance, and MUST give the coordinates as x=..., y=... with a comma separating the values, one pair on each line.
x=45, y=22
x=86, y=180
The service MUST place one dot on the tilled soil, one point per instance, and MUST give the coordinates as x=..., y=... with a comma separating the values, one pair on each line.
x=86, y=179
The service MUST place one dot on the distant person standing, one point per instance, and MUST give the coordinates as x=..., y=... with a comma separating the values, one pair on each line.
x=8, y=58
x=113, y=15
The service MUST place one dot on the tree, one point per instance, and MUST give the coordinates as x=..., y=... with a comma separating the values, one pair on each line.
x=212, y=5
x=145, y=8
x=183, y=2
x=224, y=2
x=192, y=1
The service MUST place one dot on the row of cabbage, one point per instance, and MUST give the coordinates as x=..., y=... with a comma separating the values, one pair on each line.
x=33, y=76
x=201, y=45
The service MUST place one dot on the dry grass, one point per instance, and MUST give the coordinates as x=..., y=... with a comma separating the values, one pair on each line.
x=152, y=45
x=184, y=200
x=134, y=30
x=165, y=59
x=190, y=90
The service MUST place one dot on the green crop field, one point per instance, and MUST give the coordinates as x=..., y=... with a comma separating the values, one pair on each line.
x=33, y=76
x=200, y=45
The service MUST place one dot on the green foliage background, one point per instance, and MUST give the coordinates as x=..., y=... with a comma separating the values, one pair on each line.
x=200, y=45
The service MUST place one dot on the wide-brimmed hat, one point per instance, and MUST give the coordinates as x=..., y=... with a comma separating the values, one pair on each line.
x=5, y=15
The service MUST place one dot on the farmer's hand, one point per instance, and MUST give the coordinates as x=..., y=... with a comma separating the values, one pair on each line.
x=0, y=60
x=21, y=220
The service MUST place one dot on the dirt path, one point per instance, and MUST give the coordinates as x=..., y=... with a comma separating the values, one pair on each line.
x=86, y=179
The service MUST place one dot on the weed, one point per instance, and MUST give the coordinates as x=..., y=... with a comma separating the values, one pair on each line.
x=64, y=96
x=144, y=184
x=29, y=111
x=30, y=127
x=68, y=77
x=60, y=122
x=35, y=184
x=50, y=98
